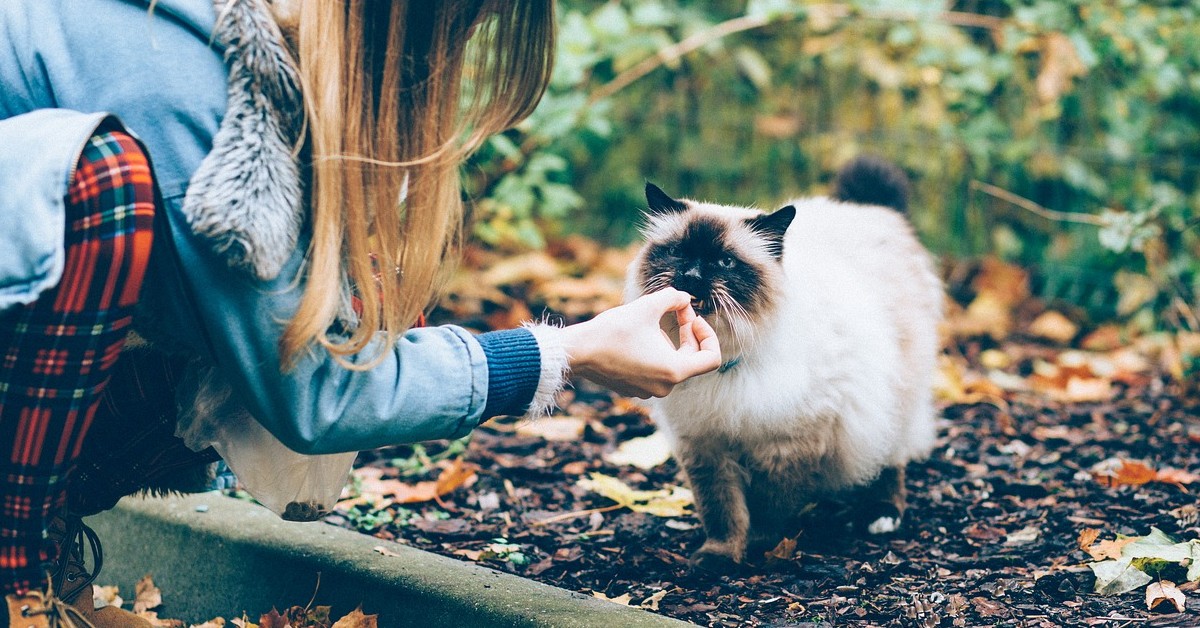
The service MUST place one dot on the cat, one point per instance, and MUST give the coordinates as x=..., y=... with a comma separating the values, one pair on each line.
x=827, y=313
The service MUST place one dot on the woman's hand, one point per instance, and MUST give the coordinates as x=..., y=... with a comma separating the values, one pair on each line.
x=624, y=348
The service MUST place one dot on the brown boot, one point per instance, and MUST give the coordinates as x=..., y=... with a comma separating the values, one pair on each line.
x=74, y=580
x=35, y=609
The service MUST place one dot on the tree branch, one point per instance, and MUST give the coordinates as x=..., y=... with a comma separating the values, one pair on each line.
x=1028, y=205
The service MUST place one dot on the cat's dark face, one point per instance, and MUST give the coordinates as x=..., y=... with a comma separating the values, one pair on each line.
x=727, y=258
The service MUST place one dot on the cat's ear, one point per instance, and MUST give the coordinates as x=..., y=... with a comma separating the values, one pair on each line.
x=772, y=227
x=660, y=203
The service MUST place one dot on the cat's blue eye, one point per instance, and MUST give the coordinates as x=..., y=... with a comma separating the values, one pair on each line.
x=727, y=262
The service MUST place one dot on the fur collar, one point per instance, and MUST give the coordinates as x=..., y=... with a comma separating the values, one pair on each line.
x=247, y=198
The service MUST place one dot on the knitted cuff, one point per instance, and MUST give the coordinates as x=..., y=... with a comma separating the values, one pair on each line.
x=514, y=369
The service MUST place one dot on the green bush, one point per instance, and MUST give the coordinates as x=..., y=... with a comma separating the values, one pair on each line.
x=1062, y=134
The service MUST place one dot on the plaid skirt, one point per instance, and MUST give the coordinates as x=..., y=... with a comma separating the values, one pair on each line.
x=79, y=427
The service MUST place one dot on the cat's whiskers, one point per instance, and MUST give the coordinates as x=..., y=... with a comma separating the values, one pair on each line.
x=735, y=315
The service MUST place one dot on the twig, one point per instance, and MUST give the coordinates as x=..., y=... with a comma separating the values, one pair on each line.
x=674, y=52
x=578, y=513
x=1026, y=204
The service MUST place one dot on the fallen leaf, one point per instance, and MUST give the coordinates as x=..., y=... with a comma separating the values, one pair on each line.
x=106, y=596
x=146, y=595
x=1177, y=477
x=1110, y=549
x=622, y=599
x=651, y=603
x=672, y=501
x=644, y=453
x=356, y=619
x=988, y=608
x=1165, y=591
x=784, y=550
x=553, y=429
x=216, y=622
x=1053, y=326
x=1024, y=536
x=1114, y=577
x=1116, y=472
x=1087, y=536
x=273, y=620
x=385, y=551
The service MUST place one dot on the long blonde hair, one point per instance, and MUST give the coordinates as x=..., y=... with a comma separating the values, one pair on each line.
x=394, y=102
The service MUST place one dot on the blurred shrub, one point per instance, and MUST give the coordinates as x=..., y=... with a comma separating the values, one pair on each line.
x=1062, y=134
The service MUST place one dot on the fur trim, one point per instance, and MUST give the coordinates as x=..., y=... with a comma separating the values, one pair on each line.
x=246, y=196
x=556, y=369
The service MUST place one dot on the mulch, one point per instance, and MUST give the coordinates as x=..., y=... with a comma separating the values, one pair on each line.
x=991, y=536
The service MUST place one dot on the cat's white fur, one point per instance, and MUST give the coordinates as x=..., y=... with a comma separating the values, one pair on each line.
x=837, y=376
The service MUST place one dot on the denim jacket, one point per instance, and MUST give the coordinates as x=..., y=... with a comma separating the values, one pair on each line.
x=68, y=66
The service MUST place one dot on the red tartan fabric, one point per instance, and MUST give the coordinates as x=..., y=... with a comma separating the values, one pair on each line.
x=56, y=353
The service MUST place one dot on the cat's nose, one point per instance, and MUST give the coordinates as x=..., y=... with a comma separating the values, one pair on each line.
x=693, y=272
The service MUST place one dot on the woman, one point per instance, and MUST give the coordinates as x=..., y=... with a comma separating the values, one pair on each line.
x=254, y=166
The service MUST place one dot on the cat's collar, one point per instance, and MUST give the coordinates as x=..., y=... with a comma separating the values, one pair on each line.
x=729, y=364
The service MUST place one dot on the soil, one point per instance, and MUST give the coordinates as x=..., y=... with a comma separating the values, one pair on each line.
x=992, y=535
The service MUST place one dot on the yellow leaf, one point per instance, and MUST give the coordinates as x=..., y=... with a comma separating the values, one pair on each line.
x=672, y=501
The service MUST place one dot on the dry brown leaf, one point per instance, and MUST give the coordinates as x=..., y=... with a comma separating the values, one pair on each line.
x=1128, y=472
x=469, y=554
x=622, y=599
x=356, y=619
x=216, y=622
x=1177, y=477
x=1163, y=591
x=273, y=620
x=1103, y=338
x=652, y=602
x=146, y=595
x=1087, y=536
x=1109, y=549
x=784, y=550
x=1007, y=282
x=1053, y=326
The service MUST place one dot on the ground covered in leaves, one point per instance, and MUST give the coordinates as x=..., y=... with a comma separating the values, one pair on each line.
x=1062, y=443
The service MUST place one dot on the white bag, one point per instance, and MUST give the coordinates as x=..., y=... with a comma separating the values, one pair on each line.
x=295, y=486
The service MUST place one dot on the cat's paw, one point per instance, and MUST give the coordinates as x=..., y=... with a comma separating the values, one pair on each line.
x=884, y=525
x=716, y=558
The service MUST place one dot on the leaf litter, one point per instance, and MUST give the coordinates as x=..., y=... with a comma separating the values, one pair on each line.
x=1065, y=457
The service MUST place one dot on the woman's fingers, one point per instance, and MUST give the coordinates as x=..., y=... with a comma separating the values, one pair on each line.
x=699, y=351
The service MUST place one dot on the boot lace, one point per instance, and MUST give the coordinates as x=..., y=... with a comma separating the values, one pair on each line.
x=71, y=575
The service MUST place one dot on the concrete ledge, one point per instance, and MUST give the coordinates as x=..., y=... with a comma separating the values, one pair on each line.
x=217, y=556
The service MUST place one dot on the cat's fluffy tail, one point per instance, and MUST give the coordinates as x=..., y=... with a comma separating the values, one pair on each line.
x=870, y=180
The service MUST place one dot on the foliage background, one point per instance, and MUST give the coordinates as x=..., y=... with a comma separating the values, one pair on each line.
x=1060, y=134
